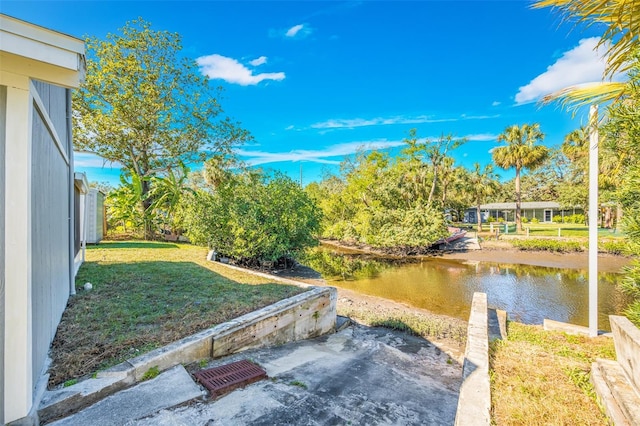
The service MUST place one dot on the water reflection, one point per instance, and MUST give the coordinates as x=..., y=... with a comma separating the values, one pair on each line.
x=528, y=293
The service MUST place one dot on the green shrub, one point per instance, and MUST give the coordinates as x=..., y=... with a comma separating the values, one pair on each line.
x=547, y=245
x=613, y=247
x=254, y=217
x=491, y=219
x=525, y=220
x=501, y=220
x=535, y=220
x=557, y=219
x=575, y=218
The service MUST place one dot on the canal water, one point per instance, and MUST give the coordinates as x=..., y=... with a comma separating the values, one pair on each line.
x=528, y=293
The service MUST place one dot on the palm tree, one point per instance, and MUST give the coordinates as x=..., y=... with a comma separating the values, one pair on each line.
x=482, y=184
x=521, y=152
x=620, y=17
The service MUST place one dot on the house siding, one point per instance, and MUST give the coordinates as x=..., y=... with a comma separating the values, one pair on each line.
x=3, y=123
x=49, y=220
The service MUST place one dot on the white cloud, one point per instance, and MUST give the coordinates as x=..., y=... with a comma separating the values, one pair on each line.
x=259, y=61
x=87, y=160
x=299, y=31
x=482, y=137
x=289, y=127
x=384, y=121
x=495, y=103
x=582, y=64
x=291, y=32
x=230, y=70
x=324, y=156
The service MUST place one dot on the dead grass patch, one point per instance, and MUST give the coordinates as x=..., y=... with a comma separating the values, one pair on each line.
x=146, y=295
x=541, y=378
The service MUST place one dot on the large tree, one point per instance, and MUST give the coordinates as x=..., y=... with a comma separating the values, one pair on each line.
x=520, y=152
x=147, y=107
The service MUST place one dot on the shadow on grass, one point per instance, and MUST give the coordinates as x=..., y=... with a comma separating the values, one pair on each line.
x=132, y=244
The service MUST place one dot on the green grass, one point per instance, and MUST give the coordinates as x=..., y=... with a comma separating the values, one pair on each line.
x=146, y=295
x=412, y=323
x=566, y=230
x=540, y=377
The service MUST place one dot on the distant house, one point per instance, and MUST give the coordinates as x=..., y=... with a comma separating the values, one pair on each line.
x=96, y=223
x=544, y=211
x=38, y=69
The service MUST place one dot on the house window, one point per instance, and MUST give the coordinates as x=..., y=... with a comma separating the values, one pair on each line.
x=548, y=215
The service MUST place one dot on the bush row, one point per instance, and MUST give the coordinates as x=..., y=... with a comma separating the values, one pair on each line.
x=547, y=245
x=611, y=247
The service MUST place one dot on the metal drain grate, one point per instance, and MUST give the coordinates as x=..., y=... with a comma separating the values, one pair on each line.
x=223, y=379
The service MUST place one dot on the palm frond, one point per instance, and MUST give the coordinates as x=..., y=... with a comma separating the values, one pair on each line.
x=620, y=18
x=574, y=97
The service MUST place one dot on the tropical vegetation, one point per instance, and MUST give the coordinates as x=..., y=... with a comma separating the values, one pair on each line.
x=390, y=202
x=146, y=107
x=520, y=152
x=253, y=218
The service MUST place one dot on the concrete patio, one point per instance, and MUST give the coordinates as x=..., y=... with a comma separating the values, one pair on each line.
x=360, y=375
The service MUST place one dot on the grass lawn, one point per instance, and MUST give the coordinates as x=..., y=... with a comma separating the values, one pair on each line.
x=567, y=230
x=540, y=377
x=146, y=295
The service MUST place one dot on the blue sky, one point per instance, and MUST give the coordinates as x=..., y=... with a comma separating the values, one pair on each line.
x=314, y=81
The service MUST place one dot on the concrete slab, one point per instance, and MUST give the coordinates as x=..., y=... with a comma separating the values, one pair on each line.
x=169, y=389
x=360, y=375
x=474, y=405
x=463, y=244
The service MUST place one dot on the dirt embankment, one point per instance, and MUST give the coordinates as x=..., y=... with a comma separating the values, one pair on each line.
x=503, y=252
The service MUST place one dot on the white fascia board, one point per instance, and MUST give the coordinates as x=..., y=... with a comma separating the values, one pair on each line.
x=41, y=45
x=37, y=35
x=81, y=182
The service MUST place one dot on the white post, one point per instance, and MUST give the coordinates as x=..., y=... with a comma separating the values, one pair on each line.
x=593, y=220
x=18, y=373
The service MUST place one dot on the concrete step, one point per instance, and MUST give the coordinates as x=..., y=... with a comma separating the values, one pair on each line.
x=342, y=323
x=614, y=390
x=171, y=388
x=497, y=322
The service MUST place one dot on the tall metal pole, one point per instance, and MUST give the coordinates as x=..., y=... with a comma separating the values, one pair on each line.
x=593, y=220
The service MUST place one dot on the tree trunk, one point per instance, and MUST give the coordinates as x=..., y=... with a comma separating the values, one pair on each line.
x=433, y=186
x=518, y=218
x=146, y=211
x=479, y=215
x=608, y=218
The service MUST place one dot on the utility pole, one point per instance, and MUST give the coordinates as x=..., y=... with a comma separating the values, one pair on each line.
x=593, y=220
x=300, y=174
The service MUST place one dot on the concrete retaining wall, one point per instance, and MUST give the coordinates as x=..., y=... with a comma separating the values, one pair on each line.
x=626, y=338
x=306, y=315
x=617, y=383
x=474, y=402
